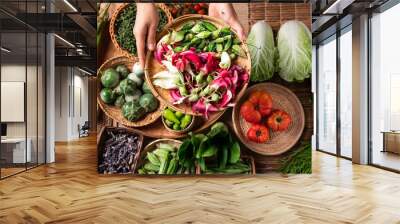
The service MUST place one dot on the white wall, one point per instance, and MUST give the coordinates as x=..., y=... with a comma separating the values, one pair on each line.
x=71, y=102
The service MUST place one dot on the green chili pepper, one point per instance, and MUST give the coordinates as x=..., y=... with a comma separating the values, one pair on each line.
x=179, y=114
x=169, y=115
x=209, y=26
x=186, y=121
x=176, y=126
x=203, y=34
x=235, y=153
x=219, y=48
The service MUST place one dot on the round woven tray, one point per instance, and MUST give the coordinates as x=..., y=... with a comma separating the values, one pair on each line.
x=114, y=112
x=151, y=147
x=115, y=15
x=280, y=142
x=153, y=66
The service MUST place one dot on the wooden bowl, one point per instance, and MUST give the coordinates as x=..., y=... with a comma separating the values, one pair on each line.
x=103, y=136
x=151, y=147
x=280, y=142
x=114, y=112
x=115, y=15
x=153, y=66
x=180, y=132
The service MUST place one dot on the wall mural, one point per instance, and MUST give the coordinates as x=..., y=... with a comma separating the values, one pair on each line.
x=225, y=88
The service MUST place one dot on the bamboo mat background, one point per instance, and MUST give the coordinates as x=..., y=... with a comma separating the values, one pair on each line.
x=275, y=14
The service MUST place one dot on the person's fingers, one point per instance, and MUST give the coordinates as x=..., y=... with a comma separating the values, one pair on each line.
x=140, y=35
x=151, y=37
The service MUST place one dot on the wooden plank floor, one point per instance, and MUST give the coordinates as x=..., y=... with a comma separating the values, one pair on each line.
x=70, y=191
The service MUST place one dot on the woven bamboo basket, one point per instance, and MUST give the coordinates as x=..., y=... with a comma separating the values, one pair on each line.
x=153, y=146
x=115, y=15
x=153, y=66
x=183, y=131
x=280, y=142
x=103, y=135
x=114, y=112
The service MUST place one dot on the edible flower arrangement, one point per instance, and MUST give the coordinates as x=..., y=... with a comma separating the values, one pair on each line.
x=199, y=66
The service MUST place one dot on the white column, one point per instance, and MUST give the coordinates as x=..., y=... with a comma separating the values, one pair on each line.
x=50, y=101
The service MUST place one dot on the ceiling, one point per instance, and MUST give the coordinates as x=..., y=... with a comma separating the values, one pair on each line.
x=72, y=20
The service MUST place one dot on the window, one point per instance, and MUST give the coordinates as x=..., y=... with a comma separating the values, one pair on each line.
x=346, y=93
x=326, y=93
x=385, y=89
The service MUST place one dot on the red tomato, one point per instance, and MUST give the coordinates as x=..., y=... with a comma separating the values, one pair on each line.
x=201, y=12
x=279, y=120
x=202, y=5
x=249, y=113
x=258, y=133
x=262, y=102
x=197, y=7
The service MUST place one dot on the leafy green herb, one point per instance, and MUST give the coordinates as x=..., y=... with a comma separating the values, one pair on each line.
x=299, y=161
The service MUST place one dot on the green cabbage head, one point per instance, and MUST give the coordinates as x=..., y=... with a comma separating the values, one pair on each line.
x=262, y=50
x=294, y=47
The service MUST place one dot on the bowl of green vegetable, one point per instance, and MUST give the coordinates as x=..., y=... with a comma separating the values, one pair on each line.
x=161, y=157
x=124, y=95
x=176, y=121
x=123, y=21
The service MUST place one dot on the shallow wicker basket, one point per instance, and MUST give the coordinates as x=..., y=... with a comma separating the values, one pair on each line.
x=280, y=142
x=114, y=112
x=115, y=15
x=151, y=147
x=153, y=66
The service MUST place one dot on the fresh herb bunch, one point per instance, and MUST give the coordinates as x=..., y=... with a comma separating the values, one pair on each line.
x=124, y=27
x=299, y=162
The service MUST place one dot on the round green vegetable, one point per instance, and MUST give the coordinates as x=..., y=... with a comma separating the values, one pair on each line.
x=122, y=70
x=135, y=96
x=148, y=102
x=132, y=111
x=127, y=87
x=136, y=78
x=120, y=101
x=137, y=69
x=146, y=88
x=107, y=96
x=110, y=78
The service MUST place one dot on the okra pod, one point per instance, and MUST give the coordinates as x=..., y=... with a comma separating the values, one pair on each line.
x=203, y=34
x=189, y=37
x=187, y=26
x=215, y=34
x=219, y=40
x=198, y=28
x=236, y=41
x=195, y=40
x=209, y=26
x=226, y=31
x=238, y=50
x=228, y=44
x=201, y=45
x=219, y=48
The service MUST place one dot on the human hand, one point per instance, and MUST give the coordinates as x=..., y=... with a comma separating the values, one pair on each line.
x=226, y=12
x=145, y=29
